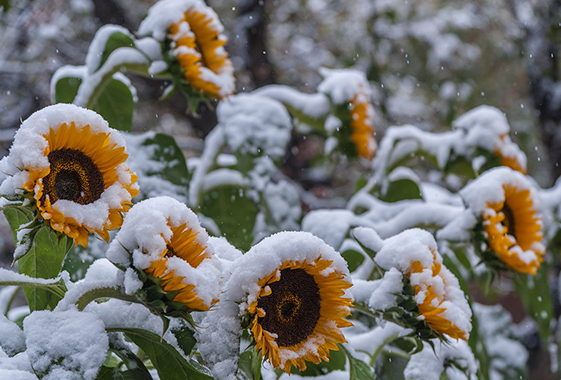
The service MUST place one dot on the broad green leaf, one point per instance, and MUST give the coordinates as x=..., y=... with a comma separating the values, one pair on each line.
x=169, y=363
x=401, y=189
x=116, y=105
x=535, y=294
x=166, y=150
x=113, y=373
x=115, y=41
x=233, y=212
x=44, y=259
x=66, y=89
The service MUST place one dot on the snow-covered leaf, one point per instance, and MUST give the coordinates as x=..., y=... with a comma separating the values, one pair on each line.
x=66, y=89
x=44, y=259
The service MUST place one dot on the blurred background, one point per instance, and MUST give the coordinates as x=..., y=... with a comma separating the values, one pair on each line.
x=428, y=62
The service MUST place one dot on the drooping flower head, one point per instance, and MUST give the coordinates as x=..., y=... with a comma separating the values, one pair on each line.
x=351, y=89
x=507, y=206
x=74, y=168
x=440, y=306
x=194, y=33
x=164, y=242
x=297, y=298
x=487, y=128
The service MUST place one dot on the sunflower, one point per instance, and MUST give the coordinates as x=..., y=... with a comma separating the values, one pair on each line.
x=513, y=229
x=510, y=154
x=362, y=114
x=163, y=242
x=183, y=244
x=196, y=41
x=298, y=312
x=432, y=308
x=75, y=170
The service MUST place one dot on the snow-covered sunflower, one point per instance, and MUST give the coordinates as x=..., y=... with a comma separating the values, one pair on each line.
x=417, y=290
x=362, y=115
x=197, y=42
x=508, y=206
x=298, y=299
x=164, y=242
x=349, y=91
x=74, y=167
x=510, y=154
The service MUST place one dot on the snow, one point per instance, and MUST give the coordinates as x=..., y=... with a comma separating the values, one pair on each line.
x=374, y=339
x=313, y=105
x=145, y=233
x=97, y=46
x=342, y=85
x=11, y=276
x=429, y=364
x=12, y=340
x=68, y=351
x=255, y=125
x=385, y=290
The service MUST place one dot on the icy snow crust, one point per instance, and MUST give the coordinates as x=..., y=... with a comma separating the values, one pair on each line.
x=28, y=152
x=221, y=329
x=147, y=229
x=400, y=252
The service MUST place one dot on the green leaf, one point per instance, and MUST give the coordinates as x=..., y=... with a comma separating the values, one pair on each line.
x=166, y=150
x=116, y=104
x=249, y=365
x=113, y=373
x=401, y=189
x=353, y=259
x=185, y=338
x=535, y=295
x=359, y=370
x=169, y=363
x=115, y=41
x=233, y=211
x=44, y=259
x=66, y=89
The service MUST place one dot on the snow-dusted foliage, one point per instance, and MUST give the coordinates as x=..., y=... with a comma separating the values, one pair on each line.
x=364, y=217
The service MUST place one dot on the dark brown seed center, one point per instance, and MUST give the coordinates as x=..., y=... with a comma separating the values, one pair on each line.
x=509, y=221
x=292, y=310
x=73, y=177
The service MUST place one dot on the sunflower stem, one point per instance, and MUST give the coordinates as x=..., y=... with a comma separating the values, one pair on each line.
x=105, y=292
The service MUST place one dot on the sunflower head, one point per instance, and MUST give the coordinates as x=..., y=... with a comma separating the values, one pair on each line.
x=193, y=33
x=510, y=154
x=299, y=299
x=73, y=168
x=509, y=227
x=349, y=92
x=162, y=240
x=431, y=301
